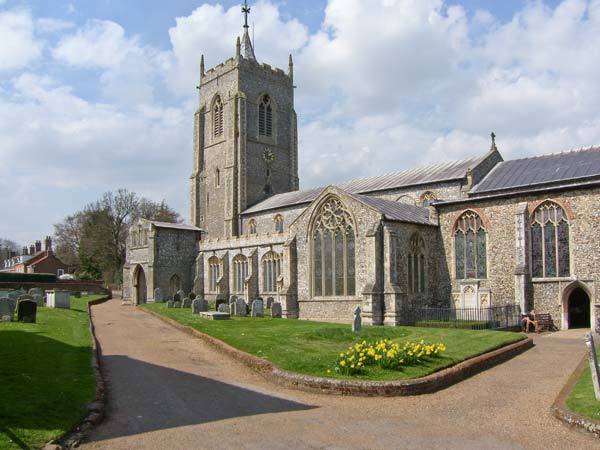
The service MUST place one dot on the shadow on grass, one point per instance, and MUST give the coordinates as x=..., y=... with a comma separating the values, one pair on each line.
x=145, y=397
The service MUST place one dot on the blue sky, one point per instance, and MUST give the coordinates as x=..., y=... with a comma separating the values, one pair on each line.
x=97, y=95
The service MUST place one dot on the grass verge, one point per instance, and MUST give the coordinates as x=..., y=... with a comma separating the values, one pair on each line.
x=311, y=348
x=582, y=399
x=46, y=378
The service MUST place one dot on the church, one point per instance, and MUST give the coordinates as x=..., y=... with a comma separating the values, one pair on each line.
x=473, y=233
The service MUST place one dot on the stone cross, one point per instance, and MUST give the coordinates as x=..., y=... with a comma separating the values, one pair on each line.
x=589, y=342
x=357, y=323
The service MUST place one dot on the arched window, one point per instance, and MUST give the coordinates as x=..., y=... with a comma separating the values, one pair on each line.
x=251, y=226
x=218, y=117
x=333, y=251
x=271, y=266
x=427, y=198
x=278, y=223
x=416, y=264
x=265, y=116
x=550, y=241
x=214, y=273
x=240, y=272
x=470, y=246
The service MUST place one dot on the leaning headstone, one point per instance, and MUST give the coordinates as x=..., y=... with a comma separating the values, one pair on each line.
x=276, y=310
x=199, y=305
x=24, y=297
x=589, y=342
x=177, y=297
x=38, y=299
x=7, y=309
x=240, y=307
x=176, y=304
x=58, y=299
x=223, y=308
x=34, y=291
x=181, y=294
x=170, y=304
x=232, y=299
x=186, y=303
x=270, y=302
x=26, y=311
x=158, y=295
x=258, y=308
x=357, y=322
x=192, y=296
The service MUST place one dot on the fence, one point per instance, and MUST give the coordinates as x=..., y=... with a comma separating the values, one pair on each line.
x=494, y=318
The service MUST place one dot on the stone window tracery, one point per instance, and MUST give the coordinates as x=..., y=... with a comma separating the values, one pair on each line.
x=427, y=198
x=240, y=273
x=218, y=117
x=333, y=251
x=271, y=265
x=470, y=246
x=278, y=223
x=265, y=116
x=550, y=241
x=214, y=273
x=416, y=264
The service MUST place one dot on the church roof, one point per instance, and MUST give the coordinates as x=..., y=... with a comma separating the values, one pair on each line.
x=572, y=166
x=452, y=170
x=177, y=226
x=397, y=211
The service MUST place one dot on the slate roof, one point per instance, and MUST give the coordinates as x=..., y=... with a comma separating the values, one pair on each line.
x=177, y=226
x=452, y=170
x=397, y=211
x=571, y=166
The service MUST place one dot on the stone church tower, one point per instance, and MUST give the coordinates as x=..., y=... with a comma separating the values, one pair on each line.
x=245, y=139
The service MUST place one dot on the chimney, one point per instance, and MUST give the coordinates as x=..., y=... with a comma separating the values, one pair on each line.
x=48, y=244
x=24, y=251
x=32, y=249
x=38, y=246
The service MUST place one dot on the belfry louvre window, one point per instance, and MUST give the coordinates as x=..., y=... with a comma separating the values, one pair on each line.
x=240, y=272
x=271, y=266
x=470, y=250
x=416, y=264
x=214, y=272
x=333, y=255
x=550, y=241
x=265, y=117
x=218, y=117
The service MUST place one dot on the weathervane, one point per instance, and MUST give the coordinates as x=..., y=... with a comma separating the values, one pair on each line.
x=246, y=11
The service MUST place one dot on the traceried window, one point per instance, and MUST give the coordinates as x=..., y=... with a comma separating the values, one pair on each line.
x=251, y=226
x=333, y=251
x=470, y=246
x=218, y=117
x=265, y=116
x=550, y=241
x=214, y=273
x=427, y=198
x=416, y=264
x=271, y=267
x=240, y=272
x=278, y=223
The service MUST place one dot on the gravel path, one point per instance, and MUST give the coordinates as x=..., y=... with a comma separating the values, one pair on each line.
x=168, y=390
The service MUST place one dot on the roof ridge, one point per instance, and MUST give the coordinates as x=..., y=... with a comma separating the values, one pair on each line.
x=564, y=152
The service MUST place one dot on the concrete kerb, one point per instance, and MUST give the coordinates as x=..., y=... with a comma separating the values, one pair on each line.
x=561, y=411
x=96, y=409
x=428, y=384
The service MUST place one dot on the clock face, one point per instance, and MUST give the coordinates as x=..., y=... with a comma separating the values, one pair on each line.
x=268, y=156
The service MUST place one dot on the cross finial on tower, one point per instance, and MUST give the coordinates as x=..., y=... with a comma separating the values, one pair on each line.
x=246, y=11
x=246, y=51
x=493, y=135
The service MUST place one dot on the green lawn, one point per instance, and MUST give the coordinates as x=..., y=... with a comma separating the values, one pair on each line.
x=46, y=378
x=582, y=399
x=312, y=347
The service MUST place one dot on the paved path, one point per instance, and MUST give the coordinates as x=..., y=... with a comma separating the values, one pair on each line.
x=168, y=390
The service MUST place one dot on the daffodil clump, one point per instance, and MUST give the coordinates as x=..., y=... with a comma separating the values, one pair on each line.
x=385, y=354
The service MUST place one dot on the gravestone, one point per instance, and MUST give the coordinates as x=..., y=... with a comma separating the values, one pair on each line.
x=13, y=295
x=192, y=296
x=170, y=304
x=276, y=310
x=199, y=305
x=158, y=295
x=240, y=307
x=186, y=303
x=4, y=292
x=219, y=302
x=232, y=299
x=181, y=294
x=258, y=308
x=24, y=297
x=176, y=304
x=58, y=299
x=589, y=342
x=223, y=308
x=176, y=297
x=34, y=291
x=357, y=322
x=270, y=302
x=26, y=311
x=7, y=309
x=38, y=299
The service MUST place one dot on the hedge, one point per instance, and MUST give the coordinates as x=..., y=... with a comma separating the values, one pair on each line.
x=16, y=277
x=462, y=324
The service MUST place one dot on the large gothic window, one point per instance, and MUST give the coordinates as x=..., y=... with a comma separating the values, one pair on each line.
x=333, y=252
x=416, y=264
x=218, y=117
x=265, y=116
x=240, y=272
x=550, y=241
x=470, y=246
x=271, y=268
x=214, y=273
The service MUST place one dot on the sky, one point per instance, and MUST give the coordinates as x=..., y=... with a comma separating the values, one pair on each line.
x=99, y=95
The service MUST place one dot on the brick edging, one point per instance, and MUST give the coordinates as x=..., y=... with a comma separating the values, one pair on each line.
x=428, y=384
x=95, y=409
x=561, y=411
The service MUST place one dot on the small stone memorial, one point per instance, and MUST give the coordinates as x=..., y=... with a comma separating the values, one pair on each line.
x=270, y=302
x=258, y=308
x=158, y=295
x=276, y=310
x=232, y=299
x=26, y=311
x=7, y=309
x=38, y=299
x=58, y=299
x=181, y=294
x=240, y=307
x=223, y=308
x=219, y=302
x=176, y=304
x=176, y=297
x=170, y=304
x=357, y=322
x=34, y=291
x=186, y=303
x=199, y=305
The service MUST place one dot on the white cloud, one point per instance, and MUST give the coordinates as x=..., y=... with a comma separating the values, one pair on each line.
x=19, y=46
x=52, y=25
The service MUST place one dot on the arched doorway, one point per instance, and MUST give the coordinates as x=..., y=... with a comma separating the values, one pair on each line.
x=578, y=308
x=140, y=286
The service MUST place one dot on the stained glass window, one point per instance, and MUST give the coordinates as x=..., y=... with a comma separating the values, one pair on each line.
x=416, y=264
x=213, y=273
x=470, y=246
x=271, y=264
x=240, y=273
x=550, y=241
